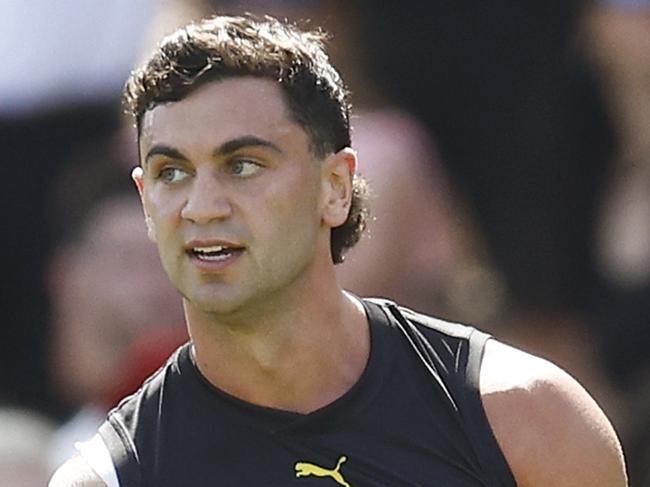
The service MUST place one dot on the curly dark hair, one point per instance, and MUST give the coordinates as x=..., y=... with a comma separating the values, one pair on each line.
x=224, y=47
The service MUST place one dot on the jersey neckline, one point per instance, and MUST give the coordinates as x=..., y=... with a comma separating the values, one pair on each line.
x=352, y=402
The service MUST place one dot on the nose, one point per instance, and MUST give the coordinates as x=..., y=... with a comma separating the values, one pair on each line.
x=207, y=200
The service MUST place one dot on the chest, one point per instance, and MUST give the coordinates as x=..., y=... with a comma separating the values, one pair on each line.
x=399, y=435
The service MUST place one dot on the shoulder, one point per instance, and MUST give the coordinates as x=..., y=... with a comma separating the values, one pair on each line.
x=75, y=473
x=549, y=428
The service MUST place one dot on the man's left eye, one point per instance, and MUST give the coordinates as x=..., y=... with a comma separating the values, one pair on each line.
x=244, y=167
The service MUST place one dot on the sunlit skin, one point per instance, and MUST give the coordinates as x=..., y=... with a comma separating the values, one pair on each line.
x=227, y=165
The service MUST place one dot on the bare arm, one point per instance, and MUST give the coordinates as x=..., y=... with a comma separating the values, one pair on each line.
x=75, y=473
x=549, y=428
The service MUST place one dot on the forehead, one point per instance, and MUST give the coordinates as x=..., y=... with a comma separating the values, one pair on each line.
x=222, y=110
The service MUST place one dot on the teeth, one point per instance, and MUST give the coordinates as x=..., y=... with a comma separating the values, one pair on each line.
x=208, y=250
x=213, y=258
x=213, y=253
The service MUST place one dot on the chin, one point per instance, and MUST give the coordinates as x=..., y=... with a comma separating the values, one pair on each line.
x=216, y=303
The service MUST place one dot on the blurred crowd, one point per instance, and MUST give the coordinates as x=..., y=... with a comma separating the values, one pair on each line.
x=507, y=145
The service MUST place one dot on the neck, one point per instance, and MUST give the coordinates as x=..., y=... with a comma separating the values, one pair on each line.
x=298, y=353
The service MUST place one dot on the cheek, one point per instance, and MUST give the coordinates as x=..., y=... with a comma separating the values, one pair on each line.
x=163, y=212
x=295, y=203
x=295, y=217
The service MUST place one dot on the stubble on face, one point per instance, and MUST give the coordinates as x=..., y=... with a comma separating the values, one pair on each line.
x=274, y=214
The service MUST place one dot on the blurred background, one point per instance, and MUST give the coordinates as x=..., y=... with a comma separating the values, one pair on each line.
x=508, y=149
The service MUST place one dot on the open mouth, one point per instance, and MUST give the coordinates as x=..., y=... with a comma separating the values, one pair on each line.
x=214, y=253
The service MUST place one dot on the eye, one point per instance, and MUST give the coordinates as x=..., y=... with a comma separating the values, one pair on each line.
x=244, y=167
x=171, y=174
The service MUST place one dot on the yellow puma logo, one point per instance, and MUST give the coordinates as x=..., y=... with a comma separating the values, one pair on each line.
x=304, y=469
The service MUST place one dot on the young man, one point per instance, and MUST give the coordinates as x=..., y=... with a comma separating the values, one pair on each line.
x=247, y=182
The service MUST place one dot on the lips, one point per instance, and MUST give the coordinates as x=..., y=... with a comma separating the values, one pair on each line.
x=213, y=255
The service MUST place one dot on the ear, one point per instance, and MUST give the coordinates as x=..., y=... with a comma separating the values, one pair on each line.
x=138, y=178
x=337, y=173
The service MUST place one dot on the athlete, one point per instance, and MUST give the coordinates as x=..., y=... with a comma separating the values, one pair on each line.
x=249, y=190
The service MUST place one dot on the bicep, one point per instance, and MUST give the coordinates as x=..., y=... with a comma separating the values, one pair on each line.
x=550, y=429
x=76, y=473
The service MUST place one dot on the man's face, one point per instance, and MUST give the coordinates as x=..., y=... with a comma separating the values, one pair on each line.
x=233, y=194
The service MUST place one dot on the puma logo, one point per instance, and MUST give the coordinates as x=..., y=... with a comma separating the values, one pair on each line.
x=304, y=469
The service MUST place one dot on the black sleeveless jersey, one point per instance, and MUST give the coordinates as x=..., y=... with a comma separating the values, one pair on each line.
x=414, y=418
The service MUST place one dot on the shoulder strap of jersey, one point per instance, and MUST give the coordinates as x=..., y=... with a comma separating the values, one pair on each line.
x=423, y=350
x=470, y=407
x=487, y=448
x=123, y=453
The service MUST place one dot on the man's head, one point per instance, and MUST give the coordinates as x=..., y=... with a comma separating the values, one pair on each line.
x=225, y=47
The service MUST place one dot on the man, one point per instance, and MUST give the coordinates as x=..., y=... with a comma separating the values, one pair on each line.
x=247, y=182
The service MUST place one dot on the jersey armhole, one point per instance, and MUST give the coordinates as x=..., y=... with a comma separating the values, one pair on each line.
x=487, y=448
x=96, y=454
x=122, y=451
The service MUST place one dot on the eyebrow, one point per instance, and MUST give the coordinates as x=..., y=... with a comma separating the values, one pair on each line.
x=233, y=145
x=226, y=148
x=164, y=150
